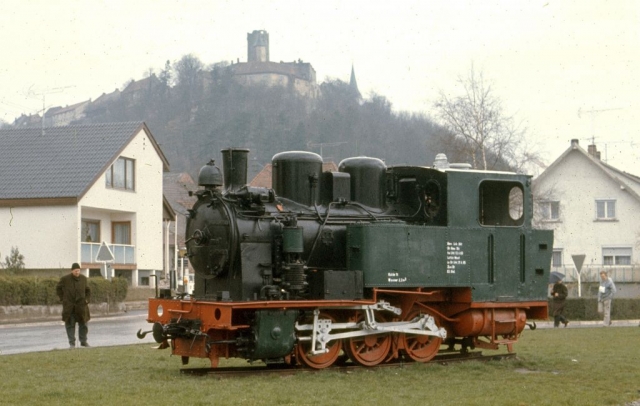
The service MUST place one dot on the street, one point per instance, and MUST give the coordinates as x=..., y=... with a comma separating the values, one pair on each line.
x=51, y=335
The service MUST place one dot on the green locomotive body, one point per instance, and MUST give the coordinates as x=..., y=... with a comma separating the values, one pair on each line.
x=371, y=263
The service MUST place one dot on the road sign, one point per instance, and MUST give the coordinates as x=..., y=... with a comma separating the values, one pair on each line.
x=104, y=253
x=578, y=260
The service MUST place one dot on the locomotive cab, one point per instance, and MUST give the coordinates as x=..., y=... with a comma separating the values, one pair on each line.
x=418, y=195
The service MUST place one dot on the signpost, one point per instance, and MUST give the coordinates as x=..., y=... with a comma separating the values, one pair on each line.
x=578, y=260
x=105, y=255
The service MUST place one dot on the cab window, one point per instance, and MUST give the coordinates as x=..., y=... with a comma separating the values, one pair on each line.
x=501, y=203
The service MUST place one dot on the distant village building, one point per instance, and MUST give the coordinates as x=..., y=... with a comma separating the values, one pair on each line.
x=138, y=89
x=100, y=105
x=58, y=116
x=55, y=116
x=298, y=75
x=25, y=121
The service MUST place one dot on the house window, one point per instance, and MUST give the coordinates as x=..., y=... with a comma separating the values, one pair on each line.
x=605, y=209
x=616, y=256
x=121, y=232
x=550, y=210
x=556, y=258
x=90, y=230
x=121, y=174
x=144, y=281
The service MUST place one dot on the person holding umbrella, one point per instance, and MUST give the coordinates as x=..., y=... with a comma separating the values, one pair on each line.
x=559, y=294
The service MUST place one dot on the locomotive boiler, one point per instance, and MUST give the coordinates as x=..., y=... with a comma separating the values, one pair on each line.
x=370, y=263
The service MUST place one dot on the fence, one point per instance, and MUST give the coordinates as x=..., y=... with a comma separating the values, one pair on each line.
x=591, y=273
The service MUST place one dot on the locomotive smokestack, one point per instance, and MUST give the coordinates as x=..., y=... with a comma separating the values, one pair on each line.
x=234, y=168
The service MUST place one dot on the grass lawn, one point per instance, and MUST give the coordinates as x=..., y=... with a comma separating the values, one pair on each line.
x=579, y=366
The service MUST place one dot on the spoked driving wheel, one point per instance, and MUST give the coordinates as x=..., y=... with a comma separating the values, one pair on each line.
x=368, y=350
x=318, y=361
x=420, y=348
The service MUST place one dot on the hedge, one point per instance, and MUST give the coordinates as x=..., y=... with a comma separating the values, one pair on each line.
x=29, y=291
x=34, y=291
x=587, y=309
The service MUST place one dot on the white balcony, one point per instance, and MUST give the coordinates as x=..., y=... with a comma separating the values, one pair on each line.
x=123, y=253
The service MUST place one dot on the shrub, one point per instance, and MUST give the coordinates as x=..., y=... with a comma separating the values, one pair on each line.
x=103, y=290
x=10, y=293
x=29, y=291
x=587, y=309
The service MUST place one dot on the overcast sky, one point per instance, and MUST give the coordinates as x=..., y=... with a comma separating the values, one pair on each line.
x=567, y=69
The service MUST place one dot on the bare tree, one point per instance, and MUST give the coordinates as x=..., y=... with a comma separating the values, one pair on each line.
x=166, y=75
x=148, y=73
x=543, y=197
x=489, y=137
x=187, y=69
x=188, y=80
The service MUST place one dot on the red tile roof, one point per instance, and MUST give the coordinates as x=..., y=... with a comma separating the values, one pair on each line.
x=263, y=178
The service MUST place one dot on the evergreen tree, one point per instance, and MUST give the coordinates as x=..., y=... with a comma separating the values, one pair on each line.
x=14, y=262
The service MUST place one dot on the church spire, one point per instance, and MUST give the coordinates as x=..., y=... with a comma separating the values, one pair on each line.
x=353, y=84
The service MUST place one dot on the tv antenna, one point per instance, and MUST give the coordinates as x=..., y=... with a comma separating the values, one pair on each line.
x=43, y=92
x=325, y=144
x=592, y=114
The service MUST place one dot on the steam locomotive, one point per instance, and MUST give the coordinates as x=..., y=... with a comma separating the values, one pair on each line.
x=370, y=263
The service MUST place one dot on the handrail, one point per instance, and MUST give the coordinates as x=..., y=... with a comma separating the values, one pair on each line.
x=155, y=283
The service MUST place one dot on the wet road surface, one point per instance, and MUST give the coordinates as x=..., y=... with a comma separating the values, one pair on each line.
x=51, y=335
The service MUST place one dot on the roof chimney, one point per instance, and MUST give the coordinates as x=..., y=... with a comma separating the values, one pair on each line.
x=574, y=143
x=593, y=151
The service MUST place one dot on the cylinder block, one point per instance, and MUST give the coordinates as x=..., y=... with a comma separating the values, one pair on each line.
x=489, y=321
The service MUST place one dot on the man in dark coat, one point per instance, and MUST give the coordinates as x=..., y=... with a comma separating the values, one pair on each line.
x=559, y=294
x=74, y=293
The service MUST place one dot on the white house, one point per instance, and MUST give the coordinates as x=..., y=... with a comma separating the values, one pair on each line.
x=177, y=188
x=593, y=209
x=65, y=191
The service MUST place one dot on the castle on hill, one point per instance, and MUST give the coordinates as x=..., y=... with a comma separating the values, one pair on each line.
x=298, y=76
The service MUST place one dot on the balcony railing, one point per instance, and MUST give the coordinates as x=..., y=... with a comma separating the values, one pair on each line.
x=122, y=253
x=591, y=273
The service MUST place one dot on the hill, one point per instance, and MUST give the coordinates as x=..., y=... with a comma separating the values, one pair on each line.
x=196, y=112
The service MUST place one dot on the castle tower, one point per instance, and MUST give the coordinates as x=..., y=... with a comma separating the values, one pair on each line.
x=258, y=46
